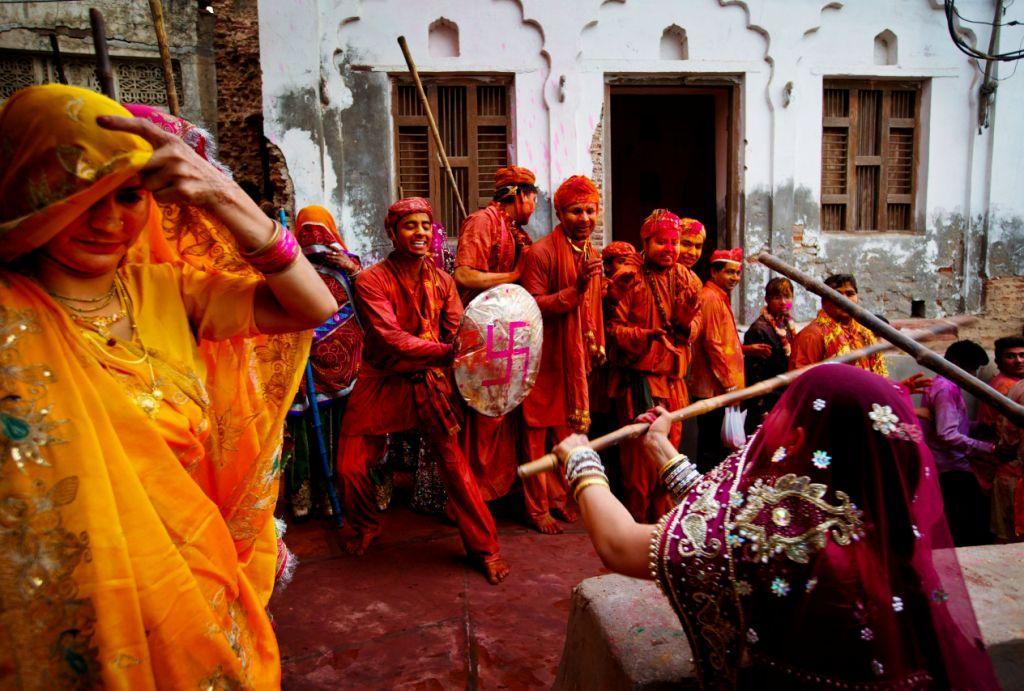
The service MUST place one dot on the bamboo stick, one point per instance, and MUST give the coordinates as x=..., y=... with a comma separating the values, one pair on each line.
x=430, y=121
x=924, y=356
x=549, y=461
x=104, y=73
x=157, y=10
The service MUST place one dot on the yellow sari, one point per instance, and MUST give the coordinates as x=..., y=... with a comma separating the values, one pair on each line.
x=137, y=546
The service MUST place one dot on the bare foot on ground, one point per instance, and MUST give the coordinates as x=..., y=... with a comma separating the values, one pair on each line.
x=546, y=524
x=566, y=514
x=496, y=569
x=360, y=543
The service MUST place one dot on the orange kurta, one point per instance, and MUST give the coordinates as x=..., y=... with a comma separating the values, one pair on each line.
x=491, y=444
x=986, y=415
x=825, y=338
x=411, y=312
x=651, y=372
x=573, y=344
x=717, y=352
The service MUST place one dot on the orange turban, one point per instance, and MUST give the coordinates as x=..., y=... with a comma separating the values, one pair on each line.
x=406, y=207
x=732, y=257
x=618, y=248
x=578, y=189
x=691, y=226
x=511, y=176
x=660, y=221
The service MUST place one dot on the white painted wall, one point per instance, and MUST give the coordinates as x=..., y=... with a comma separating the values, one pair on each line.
x=770, y=43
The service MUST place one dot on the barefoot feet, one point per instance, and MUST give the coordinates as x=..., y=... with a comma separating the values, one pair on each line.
x=495, y=568
x=565, y=514
x=546, y=524
x=358, y=544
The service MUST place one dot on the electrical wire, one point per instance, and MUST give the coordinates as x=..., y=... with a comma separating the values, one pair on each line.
x=962, y=46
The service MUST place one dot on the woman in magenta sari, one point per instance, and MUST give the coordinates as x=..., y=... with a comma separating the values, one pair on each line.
x=816, y=556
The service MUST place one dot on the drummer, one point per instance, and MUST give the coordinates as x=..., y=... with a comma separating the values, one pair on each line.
x=492, y=245
x=411, y=313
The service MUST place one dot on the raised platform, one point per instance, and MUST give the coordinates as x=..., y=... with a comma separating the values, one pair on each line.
x=623, y=634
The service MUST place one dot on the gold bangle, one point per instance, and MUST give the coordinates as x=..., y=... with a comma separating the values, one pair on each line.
x=587, y=482
x=671, y=463
x=270, y=243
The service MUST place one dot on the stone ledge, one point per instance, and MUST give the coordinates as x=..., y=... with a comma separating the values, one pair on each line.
x=622, y=633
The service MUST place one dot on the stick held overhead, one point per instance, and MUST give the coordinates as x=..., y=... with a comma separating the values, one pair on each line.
x=924, y=356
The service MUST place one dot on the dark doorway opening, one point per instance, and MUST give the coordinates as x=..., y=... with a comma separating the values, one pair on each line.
x=670, y=148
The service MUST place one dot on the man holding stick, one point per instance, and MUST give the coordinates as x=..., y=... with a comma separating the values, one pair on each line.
x=563, y=272
x=492, y=247
x=411, y=313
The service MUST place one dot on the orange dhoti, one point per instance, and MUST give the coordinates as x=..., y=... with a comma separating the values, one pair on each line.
x=492, y=446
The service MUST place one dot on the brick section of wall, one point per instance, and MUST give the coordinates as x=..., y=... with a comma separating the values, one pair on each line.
x=1004, y=311
x=256, y=163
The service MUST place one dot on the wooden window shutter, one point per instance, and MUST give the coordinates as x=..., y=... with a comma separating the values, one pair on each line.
x=868, y=155
x=473, y=119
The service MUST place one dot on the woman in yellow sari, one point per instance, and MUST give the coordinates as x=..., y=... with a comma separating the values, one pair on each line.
x=147, y=356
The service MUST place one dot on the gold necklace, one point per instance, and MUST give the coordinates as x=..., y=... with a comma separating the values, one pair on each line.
x=148, y=400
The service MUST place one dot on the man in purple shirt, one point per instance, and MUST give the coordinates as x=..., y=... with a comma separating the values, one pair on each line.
x=947, y=432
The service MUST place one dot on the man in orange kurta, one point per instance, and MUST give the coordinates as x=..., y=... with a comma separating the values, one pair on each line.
x=717, y=353
x=563, y=272
x=411, y=313
x=492, y=245
x=1009, y=359
x=651, y=328
x=834, y=332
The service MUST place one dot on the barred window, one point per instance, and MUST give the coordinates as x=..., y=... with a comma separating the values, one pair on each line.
x=869, y=149
x=473, y=118
x=135, y=80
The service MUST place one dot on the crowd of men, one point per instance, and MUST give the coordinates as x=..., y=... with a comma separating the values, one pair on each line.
x=625, y=329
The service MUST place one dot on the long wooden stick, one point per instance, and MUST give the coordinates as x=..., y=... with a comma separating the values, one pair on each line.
x=104, y=73
x=157, y=10
x=924, y=356
x=550, y=461
x=430, y=121
x=58, y=60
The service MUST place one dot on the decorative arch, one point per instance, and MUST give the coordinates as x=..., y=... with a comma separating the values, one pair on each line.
x=674, y=45
x=443, y=38
x=886, y=48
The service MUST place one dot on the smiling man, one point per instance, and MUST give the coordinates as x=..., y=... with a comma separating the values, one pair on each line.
x=411, y=312
x=717, y=353
x=563, y=272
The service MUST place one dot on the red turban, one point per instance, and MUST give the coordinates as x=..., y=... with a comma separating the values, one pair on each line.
x=733, y=257
x=617, y=249
x=579, y=189
x=691, y=226
x=512, y=176
x=660, y=221
x=406, y=207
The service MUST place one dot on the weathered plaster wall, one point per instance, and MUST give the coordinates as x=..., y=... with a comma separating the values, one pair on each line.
x=326, y=67
x=130, y=34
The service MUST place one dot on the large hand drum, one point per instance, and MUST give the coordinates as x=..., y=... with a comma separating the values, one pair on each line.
x=499, y=349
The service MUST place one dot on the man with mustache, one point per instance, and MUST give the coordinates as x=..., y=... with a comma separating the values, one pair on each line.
x=563, y=272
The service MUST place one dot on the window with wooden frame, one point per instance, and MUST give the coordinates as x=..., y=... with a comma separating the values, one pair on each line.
x=869, y=149
x=472, y=115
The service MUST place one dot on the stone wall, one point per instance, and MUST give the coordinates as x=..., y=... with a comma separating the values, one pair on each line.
x=256, y=163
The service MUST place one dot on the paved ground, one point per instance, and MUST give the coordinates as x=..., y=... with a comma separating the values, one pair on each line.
x=412, y=614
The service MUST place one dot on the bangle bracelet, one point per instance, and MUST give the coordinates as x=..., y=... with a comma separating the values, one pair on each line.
x=274, y=235
x=279, y=257
x=672, y=462
x=596, y=480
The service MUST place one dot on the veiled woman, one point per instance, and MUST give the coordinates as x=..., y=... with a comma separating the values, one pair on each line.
x=143, y=396
x=817, y=556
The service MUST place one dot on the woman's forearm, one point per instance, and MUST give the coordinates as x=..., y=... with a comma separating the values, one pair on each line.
x=620, y=542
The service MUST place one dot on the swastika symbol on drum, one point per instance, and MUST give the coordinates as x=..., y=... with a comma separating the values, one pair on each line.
x=508, y=353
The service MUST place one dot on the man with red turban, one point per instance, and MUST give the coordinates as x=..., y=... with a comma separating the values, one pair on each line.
x=717, y=353
x=492, y=245
x=650, y=328
x=691, y=241
x=411, y=312
x=563, y=272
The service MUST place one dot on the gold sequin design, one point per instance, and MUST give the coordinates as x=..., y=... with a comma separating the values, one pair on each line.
x=791, y=516
x=49, y=627
x=219, y=681
x=694, y=524
x=186, y=228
